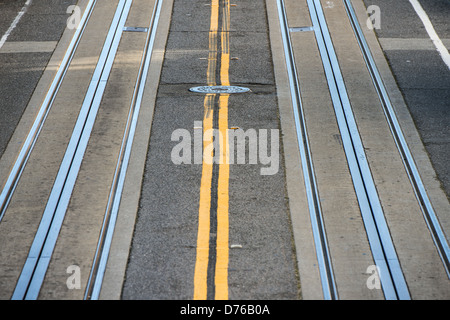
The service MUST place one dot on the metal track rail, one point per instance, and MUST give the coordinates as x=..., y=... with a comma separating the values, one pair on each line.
x=34, y=270
x=383, y=251
x=431, y=219
x=320, y=238
x=101, y=256
x=27, y=147
x=391, y=276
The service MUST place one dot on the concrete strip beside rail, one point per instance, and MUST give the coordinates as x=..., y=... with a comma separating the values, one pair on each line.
x=122, y=239
x=400, y=206
x=301, y=223
x=349, y=248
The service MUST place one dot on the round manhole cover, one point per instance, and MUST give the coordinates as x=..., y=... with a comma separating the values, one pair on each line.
x=219, y=89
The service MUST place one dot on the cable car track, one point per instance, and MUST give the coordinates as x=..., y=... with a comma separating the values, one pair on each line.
x=320, y=240
x=385, y=257
x=103, y=248
x=408, y=160
x=34, y=270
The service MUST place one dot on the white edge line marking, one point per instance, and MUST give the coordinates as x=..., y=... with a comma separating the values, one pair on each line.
x=431, y=32
x=15, y=22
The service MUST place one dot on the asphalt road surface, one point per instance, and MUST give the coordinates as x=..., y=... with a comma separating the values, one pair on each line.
x=29, y=32
x=262, y=263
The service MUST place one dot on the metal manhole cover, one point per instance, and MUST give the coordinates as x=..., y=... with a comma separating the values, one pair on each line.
x=219, y=89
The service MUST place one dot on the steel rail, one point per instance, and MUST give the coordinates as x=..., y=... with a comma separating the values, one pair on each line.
x=104, y=245
x=320, y=239
x=34, y=270
x=383, y=251
x=429, y=214
x=27, y=147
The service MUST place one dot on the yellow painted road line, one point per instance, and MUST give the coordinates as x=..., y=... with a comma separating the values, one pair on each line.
x=201, y=263
x=221, y=273
x=222, y=254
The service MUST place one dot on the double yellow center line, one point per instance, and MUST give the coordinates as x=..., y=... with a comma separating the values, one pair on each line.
x=204, y=227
